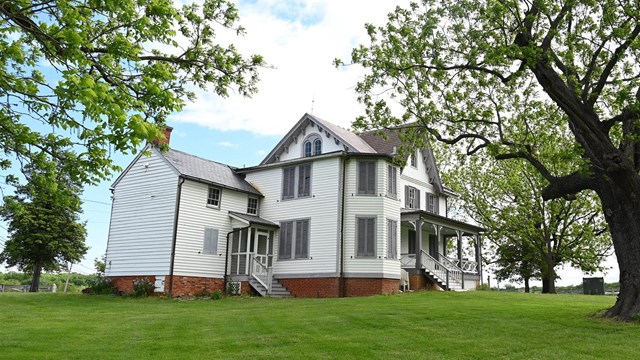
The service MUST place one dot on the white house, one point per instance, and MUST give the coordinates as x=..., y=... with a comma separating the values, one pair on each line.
x=327, y=213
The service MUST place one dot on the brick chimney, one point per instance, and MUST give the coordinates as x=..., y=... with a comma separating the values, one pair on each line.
x=167, y=136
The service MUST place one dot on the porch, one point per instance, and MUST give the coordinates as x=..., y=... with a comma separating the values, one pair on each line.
x=446, y=251
x=250, y=256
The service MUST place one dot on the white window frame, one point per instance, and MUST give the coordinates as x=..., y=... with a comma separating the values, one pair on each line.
x=366, y=190
x=317, y=146
x=212, y=202
x=249, y=207
x=412, y=200
x=370, y=234
x=297, y=229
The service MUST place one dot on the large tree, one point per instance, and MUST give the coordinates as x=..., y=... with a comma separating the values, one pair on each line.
x=45, y=232
x=101, y=76
x=499, y=75
x=529, y=237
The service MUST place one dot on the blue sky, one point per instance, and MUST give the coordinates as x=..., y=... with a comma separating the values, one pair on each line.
x=299, y=39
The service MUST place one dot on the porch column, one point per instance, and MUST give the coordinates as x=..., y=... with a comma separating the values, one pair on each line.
x=439, y=240
x=419, y=244
x=479, y=255
x=459, y=235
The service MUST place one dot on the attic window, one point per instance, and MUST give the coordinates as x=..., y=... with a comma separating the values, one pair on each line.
x=312, y=146
x=412, y=160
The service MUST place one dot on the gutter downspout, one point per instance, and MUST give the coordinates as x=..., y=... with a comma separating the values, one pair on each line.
x=344, y=191
x=175, y=234
x=226, y=259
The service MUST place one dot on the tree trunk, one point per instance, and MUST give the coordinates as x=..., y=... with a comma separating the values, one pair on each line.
x=526, y=285
x=622, y=212
x=35, y=280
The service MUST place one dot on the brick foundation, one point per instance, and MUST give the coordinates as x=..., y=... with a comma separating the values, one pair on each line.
x=193, y=286
x=330, y=287
x=368, y=287
x=182, y=285
x=421, y=282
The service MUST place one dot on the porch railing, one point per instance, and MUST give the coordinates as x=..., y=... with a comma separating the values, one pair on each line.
x=261, y=272
x=441, y=271
x=407, y=261
x=466, y=265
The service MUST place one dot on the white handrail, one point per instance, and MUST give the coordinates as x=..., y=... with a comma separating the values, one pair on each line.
x=261, y=273
x=441, y=271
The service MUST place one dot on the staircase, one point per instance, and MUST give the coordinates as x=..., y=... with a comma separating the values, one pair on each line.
x=444, y=273
x=277, y=289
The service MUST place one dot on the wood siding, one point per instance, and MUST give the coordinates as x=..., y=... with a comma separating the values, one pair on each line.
x=295, y=151
x=141, y=228
x=194, y=217
x=321, y=208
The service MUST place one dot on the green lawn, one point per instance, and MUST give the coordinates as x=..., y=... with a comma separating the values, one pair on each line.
x=428, y=325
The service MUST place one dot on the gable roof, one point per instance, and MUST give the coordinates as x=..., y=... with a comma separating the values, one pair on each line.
x=352, y=142
x=392, y=142
x=203, y=170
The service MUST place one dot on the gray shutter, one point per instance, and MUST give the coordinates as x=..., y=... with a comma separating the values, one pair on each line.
x=362, y=177
x=304, y=180
x=417, y=199
x=392, y=239
x=361, y=229
x=288, y=181
x=302, y=239
x=436, y=205
x=284, y=248
x=371, y=177
x=406, y=197
x=210, y=243
x=371, y=225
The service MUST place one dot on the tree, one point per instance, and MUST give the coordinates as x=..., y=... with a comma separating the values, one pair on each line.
x=530, y=237
x=501, y=75
x=43, y=223
x=101, y=76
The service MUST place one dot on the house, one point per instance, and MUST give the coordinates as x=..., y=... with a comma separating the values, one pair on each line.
x=327, y=213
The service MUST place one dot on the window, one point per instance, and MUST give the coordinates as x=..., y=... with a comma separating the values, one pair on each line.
x=294, y=240
x=312, y=146
x=317, y=147
x=307, y=148
x=392, y=181
x=366, y=236
x=296, y=181
x=252, y=206
x=210, y=243
x=432, y=203
x=412, y=160
x=366, y=177
x=213, y=199
x=392, y=239
x=411, y=197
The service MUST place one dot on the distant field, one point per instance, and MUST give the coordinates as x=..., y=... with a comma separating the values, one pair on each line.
x=426, y=325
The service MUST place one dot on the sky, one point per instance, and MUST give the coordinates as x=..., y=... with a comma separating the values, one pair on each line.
x=299, y=40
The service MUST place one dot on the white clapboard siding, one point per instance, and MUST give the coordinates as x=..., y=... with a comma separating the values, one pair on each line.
x=321, y=208
x=379, y=206
x=141, y=228
x=194, y=216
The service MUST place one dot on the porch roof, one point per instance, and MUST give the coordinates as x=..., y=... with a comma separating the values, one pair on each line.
x=253, y=220
x=413, y=214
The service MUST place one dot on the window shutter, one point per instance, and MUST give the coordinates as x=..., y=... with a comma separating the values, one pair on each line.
x=417, y=199
x=371, y=224
x=361, y=223
x=288, y=182
x=362, y=177
x=304, y=180
x=371, y=177
x=302, y=239
x=406, y=197
x=210, y=244
x=285, y=240
x=436, y=205
x=392, y=239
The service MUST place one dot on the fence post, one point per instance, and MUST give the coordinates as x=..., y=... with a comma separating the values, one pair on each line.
x=448, y=287
x=462, y=276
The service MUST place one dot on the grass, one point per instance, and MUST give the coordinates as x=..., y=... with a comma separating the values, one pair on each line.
x=430, y=325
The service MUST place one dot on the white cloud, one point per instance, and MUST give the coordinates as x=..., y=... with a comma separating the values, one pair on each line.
x=300, y=39
x=227, y=144
x=261, y=153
